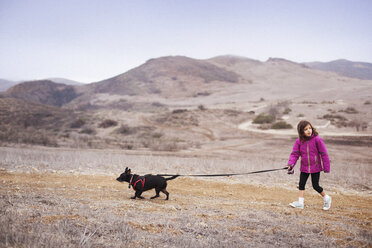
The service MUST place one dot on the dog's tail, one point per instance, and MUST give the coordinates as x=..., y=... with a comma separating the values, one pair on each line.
x=170, y=178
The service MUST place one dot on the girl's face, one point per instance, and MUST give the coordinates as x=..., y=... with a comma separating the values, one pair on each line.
x=308, y=131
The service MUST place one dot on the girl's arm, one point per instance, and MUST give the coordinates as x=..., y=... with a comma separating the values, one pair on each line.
x=324, y=154
x=295, y=154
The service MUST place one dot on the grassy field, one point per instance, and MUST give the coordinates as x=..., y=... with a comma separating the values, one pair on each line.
x=63, y=197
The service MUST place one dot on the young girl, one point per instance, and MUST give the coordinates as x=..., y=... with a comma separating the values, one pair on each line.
x=314, y=159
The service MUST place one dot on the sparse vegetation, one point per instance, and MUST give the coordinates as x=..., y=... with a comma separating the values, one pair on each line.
x=201, y=107
x=178, y=111
x=64, y=197
x=88, y=130
x=264, y=118
x=125, y=129
x=205, y=93
x=349, y=110
x=367, y=102
x=287, y=111
x=77, y=123
x=281, y=125
x=108, y=123
x=359, y=124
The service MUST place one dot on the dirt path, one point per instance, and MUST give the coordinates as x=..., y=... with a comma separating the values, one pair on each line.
x=243, y=214
x=248, y=126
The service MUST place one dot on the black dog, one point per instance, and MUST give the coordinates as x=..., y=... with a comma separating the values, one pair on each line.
x=143, y=183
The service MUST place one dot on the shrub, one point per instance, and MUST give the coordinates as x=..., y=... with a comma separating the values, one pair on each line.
x=77, y=123
x=108, y=123
x=287, y=111
x=350, y=110
x=177, y=111
x=264, y=118
x=201, y=107
x=281, y=125
x=88, y=131
x=367, y=102
x=124, y=129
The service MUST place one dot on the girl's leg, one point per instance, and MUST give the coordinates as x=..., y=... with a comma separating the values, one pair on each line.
x=301, y=187
x=315, y=181
x=327, y=199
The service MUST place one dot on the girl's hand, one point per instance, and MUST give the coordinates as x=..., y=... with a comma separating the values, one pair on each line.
x=290, y=169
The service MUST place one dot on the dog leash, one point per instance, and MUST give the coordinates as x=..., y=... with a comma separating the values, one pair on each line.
x=222, y=175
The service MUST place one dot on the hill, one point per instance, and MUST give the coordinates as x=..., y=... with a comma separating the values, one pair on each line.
x=167, y=76
x=346, y=68
x=64, y=81
x=6, y=84
x=43, y=91
x=26, y=122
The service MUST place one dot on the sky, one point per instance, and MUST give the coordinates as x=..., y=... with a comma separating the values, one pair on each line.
x=92, y=40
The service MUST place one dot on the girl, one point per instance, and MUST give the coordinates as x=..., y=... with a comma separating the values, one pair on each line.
x=314, y=159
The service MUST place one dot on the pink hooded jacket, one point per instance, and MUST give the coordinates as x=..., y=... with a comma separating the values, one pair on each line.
x=314, y=156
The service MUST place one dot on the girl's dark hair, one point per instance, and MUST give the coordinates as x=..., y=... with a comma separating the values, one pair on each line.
x=300, y=129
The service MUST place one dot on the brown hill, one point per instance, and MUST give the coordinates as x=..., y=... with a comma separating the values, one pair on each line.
x=26, y=122
x=43, y=91
x=167, y=76
x=346, y=68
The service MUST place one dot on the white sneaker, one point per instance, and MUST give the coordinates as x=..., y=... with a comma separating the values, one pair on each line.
x=296, y=204
x=327, y=203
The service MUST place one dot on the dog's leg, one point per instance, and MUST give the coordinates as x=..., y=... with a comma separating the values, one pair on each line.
x=157, y=194
x=166, y=193
x=138, y=194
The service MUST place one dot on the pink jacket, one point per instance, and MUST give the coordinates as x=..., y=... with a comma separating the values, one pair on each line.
x=314, y=156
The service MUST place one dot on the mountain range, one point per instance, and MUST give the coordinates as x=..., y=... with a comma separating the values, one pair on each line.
x=194, y=100
x=346, y=68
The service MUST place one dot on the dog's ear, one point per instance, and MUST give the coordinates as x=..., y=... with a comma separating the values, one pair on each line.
x=126, y=170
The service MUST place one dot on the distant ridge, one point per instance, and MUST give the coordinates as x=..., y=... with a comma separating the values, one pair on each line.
x=166, y=76
x=64, y=81
x=361, y=70
x=42, y=91
x=6, y=84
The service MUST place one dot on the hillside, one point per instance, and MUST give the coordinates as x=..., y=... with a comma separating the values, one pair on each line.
x=27, y=122
x=43, y=91
x=6, y=84
x=346, y=68
x=167, y=76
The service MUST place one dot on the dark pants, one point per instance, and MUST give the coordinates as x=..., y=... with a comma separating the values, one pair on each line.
x=314, y=179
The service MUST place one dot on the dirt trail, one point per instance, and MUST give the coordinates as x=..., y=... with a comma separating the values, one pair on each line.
x=217, y=204
x=248, y=126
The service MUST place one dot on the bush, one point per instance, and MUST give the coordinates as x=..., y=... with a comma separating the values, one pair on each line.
x=77, y=123
x=201, y=107
x=264, y=118
x=88, y=131
x=108, y=123
x=177, y=111
x=281, y=125
x=287, y=111
x=124, y=129
x=350, y=110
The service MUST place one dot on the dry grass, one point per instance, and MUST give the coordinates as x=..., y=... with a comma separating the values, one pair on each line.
x=51, y=210
x=60, y=197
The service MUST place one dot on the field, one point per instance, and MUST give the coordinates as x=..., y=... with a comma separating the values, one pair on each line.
x=69, y=197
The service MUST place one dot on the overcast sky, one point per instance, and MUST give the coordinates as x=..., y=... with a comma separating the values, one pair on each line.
x=92, y=40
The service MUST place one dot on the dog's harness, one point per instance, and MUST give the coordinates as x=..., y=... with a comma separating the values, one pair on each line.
x=134, y=184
